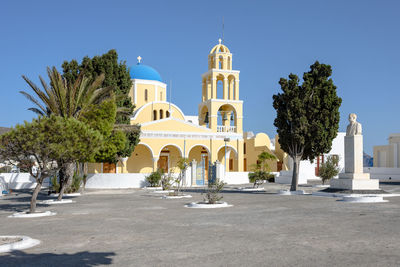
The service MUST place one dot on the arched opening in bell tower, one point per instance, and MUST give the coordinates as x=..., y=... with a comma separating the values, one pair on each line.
x=220, y=87
x=220, y=63
x=204, y=119
x=231, y=87
x=227, y=119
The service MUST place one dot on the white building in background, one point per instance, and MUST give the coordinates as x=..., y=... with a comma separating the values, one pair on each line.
x=386, y=160
x=309, y=170
x=387, y=156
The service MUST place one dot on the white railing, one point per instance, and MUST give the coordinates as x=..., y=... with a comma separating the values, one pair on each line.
x=229, y=129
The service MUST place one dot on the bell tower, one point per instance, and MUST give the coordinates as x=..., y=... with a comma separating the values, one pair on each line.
x=220, y=109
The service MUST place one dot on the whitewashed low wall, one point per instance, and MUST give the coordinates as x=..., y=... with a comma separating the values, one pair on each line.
x=20, y=180
x=382, y=173
x=116, y=180
x=285, y=177
x=236, y=178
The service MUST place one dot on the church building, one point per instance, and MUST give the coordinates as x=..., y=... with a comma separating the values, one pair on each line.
x=214, y=134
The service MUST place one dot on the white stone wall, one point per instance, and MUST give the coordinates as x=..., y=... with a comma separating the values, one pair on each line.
x=119, y=180
x=236, y=178
x=19, y=180
x=116, y=180
x=383, y=174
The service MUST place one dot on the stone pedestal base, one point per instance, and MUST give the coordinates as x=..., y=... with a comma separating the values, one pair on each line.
x=355, y=184
x=357, y=176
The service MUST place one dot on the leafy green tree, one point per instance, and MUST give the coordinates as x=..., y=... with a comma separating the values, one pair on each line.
x=40, y=145
x=116, y=75
x=307, y=115
x=329, y=168
x=68, y=99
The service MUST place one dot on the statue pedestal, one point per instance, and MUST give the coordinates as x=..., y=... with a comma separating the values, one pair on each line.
x=354, y=184
x=354, y=178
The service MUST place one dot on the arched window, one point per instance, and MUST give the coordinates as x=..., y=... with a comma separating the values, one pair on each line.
x=161, y=114
x=167, y=114
x=146, y=95
x=229, y=89
x=154, y=114
x=220, y=89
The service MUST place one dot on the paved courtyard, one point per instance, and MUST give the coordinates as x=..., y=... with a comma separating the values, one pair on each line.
x=136, y=228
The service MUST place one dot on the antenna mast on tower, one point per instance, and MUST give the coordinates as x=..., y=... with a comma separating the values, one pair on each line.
x=222, y=29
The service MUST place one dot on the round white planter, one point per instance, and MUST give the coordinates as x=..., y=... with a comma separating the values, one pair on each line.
x=321, y=186
x=152, y=188
x=162, y=191
x=176, y=197
x=56, y=202
x=25, y=243
x=290, y=193
x=251, y=189
x=203, y=205
x=67, y=195
x=364, y=199
x=32, y=215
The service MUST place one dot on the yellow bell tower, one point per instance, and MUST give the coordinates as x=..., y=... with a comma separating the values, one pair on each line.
x=220, y=109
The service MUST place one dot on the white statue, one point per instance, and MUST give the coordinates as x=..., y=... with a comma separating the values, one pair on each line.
x=354, y=128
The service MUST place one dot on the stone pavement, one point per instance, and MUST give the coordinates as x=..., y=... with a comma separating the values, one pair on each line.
x=136, y=228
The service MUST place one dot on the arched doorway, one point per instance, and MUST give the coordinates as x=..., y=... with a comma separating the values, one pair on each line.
x=168, y=158
x=141, y=160
x=230, y=155
x=201, y=155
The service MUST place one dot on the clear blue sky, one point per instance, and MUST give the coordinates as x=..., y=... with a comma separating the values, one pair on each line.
x=268, y=39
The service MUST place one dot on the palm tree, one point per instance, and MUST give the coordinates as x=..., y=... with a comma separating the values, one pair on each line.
x=67, y=100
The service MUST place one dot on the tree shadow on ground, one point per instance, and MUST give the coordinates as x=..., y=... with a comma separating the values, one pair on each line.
x=84, y=258
x=15, y=207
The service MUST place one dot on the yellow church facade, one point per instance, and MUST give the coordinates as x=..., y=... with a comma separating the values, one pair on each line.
x=214, y=134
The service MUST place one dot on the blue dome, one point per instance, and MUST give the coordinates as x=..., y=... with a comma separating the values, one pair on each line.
x=144, y=72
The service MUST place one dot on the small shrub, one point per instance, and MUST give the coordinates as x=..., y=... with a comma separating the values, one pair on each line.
x=154, y=178
x=73, y=188
x=258, y=177
x=213, y=191
x=166, y=181
x=75, y=185
x=329, y=168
